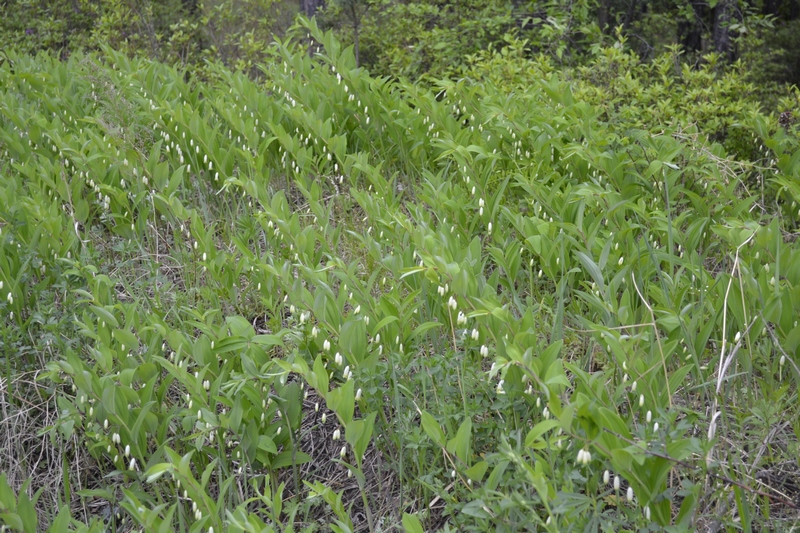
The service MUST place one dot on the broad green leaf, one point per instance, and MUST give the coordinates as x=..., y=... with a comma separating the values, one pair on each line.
x=411, y=524
x=432, y=428
x=459, y=445
x=533, y=440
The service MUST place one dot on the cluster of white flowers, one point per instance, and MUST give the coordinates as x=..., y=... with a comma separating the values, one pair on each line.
x=584, y=457
x=452, y=303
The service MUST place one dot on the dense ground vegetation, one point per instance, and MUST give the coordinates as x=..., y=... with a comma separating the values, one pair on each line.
x=523, y=295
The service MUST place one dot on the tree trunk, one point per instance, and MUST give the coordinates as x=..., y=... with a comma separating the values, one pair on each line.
x=690, y=31
x=190, y=6
x=603, y=17
x=310, y=7
x=723, y=17
x=355, y=32
x=630, y=15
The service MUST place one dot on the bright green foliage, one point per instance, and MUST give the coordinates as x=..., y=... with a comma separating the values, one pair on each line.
x=236, y=33
x=412, y=39
x=631, y=93
x=500, y=291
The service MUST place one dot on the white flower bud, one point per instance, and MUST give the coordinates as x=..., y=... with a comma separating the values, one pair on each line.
x=337, y=434
x=616, y=482
x=630, y=494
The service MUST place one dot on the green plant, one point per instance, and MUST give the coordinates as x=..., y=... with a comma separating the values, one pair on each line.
x=330, y=300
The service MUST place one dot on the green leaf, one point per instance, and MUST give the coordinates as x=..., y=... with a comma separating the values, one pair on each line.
x=477, y=471
x=385, y=322
x=592, y=268
x=353, y=338
x=533, y=440
x=62, y=520
x=27, y=512
x=432, y=429
x=267, y=340
x=284, y=459
x=267, y=444
x=411, y=524
x=127, y=339
x=476, y=508
x=359, y=433
x=342, y=401
x=13, y=520
x=413, y=270
x=7, y=498
x=156, y=471
x=459, y=445
x=321, y=375
x=422, y=328
x=105, y=315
